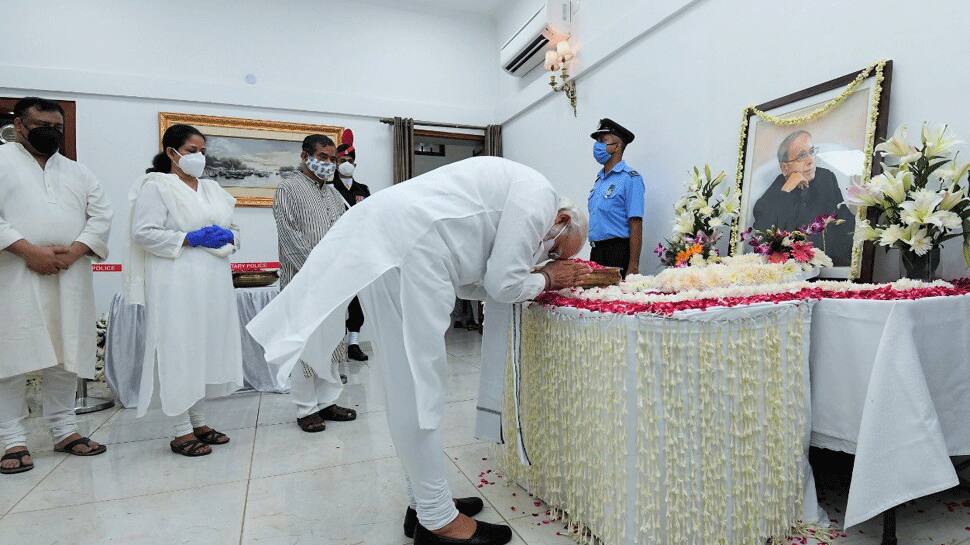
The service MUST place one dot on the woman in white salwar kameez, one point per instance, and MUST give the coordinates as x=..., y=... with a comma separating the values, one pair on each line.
x=178, y=268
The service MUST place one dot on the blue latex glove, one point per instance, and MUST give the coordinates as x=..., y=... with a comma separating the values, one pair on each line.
x=227, y=236
x=208, y=237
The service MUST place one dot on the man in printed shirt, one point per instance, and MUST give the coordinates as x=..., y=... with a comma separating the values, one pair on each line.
x=305, y=207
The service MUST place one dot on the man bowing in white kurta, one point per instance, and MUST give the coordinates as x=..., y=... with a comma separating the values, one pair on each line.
x=475, y=229
x=54, y=219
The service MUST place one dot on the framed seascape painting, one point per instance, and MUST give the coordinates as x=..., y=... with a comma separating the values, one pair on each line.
x=797, y=156
x=249, y=157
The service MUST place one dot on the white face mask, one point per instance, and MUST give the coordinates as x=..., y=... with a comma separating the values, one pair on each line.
x=323, y=170
x=192, y=164
x=544, y=252
x=346, y=169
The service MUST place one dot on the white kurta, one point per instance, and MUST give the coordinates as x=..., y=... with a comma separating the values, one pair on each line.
x=49, y=319
x=471, y=228
x=191, y=321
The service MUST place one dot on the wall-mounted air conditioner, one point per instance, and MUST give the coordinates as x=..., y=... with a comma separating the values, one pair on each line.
x=551, y=22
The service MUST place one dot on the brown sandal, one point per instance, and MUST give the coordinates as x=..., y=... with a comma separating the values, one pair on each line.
x=19, y=456
x=212, y=437
x=191, y=448
x=338, y=414
x=312, y=424
x=69, y=448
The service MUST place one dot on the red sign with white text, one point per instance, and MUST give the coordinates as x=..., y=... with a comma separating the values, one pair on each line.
x=256, y=266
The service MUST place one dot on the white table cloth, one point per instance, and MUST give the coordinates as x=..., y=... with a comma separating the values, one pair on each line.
x=643, y=429
x=891, y=383
x=125, y=345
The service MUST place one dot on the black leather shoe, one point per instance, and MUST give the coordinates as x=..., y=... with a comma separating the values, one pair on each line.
x=466, y=506
x=485, y=534
x=355, y=353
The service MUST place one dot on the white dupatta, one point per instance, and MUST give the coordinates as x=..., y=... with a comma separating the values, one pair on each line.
x=183, y=206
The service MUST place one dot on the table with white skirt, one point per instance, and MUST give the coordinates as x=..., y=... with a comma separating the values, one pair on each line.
x=125, y=345
x=889, y=382
x=689, y=429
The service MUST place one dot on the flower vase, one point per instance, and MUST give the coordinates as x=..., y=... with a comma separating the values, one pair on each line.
x=921, y=267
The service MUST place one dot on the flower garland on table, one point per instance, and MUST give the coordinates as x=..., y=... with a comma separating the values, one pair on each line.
x=743, y=270
x=580, y=373
x=698, y=217
x=613, y=300
x=874, y=68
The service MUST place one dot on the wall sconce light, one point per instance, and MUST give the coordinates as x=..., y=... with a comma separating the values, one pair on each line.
x=558, y=60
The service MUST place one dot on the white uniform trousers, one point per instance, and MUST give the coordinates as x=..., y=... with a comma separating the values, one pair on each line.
x=420, y=451
x=311, y=393
x=59, y=391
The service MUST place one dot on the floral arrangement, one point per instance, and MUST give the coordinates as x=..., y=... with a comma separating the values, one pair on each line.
x=920, y=199
x=743, y=270
x=698, y=217
x=624, y=299
x=102, y=332
x=779, y=245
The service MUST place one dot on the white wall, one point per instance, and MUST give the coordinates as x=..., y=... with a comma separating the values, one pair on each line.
x=681, y=85
x=317, y=61
x=317, y=55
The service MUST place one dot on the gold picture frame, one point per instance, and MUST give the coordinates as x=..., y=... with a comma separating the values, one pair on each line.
x=249, y=157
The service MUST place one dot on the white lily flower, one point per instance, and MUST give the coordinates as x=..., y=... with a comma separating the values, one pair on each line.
x=897, y=146
x=953, y=171
x=695, y=204
x=945, y=219
x=684, y=223
x=890, y=235
x=865, y=231
x=953, y=198
x=715, y=222
x=706, y=211
x=893, y=185
x=919, y=242
x=863, y=194
x=919, y=210
x=730, y=206
x=937, y=145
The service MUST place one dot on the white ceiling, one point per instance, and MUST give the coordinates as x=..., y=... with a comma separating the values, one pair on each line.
x=481, y=7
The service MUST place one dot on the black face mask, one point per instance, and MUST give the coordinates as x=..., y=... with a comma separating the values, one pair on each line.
x=46, y=140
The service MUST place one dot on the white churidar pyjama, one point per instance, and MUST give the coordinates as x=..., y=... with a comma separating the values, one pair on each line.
x=60, y=388
x=420, y=450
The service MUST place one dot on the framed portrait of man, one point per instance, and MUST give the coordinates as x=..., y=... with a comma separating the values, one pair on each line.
x=798, y=155
x=249, y=157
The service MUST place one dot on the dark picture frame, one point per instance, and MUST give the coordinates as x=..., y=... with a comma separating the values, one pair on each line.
x=860, y=268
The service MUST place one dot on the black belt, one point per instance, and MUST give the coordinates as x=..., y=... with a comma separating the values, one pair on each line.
x=609, y=242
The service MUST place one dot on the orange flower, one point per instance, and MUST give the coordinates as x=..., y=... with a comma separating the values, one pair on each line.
x=683, y=256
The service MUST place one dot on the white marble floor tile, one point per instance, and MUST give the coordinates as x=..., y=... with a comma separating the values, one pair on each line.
x=285, y=448
x=458, y=424
x=225, y=414
x=137, y=469
x=510, y=500
x=38, y=432
x=361, y=503
x=200, y=516
x=14, y=487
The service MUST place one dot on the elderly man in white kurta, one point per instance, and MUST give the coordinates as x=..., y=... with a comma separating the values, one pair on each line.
x=54, y=218
x=477, y=229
